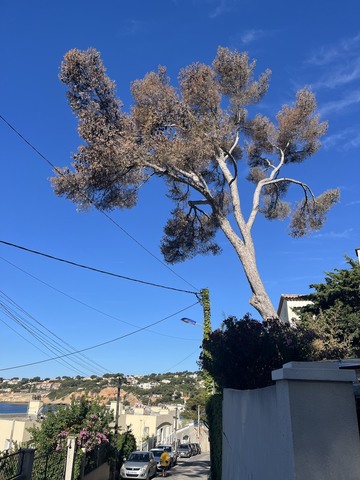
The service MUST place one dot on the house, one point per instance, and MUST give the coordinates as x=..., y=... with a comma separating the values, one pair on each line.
x=14, y=428
x=148, y=385
x=146, y=423
x=159, y=425
x=287, y=304
x=131, y=380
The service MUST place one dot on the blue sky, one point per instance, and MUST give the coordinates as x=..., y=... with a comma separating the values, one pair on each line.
x=303, y=43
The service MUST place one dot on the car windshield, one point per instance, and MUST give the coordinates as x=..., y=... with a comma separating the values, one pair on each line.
x=184, y=447
x=139, y=457
x=157, y=453
x=168, y=449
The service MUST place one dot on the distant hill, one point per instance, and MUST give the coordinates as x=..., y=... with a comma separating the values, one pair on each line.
x=151, y=389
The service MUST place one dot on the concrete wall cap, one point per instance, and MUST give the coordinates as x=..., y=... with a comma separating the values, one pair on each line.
x=331, y=364
x=314, y=374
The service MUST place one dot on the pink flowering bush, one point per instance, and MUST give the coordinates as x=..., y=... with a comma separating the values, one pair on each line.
x=86, y=420
x=61, y=438
x=93, y=433
x=90, y=436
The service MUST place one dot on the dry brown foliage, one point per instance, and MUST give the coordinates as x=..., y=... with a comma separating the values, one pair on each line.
x=194, y=137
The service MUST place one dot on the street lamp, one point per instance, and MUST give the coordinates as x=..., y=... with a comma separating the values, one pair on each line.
x=209, y=381
x=191, y=322
x=206, y=326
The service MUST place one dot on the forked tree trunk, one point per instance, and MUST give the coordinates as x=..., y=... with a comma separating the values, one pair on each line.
x=245, y=250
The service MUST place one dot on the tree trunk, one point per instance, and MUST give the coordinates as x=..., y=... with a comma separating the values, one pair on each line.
x=260, y=299
x=245, y=250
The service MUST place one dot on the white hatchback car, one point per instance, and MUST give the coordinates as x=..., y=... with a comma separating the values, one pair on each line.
x=140, y=465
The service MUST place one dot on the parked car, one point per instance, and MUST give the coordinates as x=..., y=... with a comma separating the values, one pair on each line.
x=140, y=465
x=194, y=449
x=157, y=454
x=171, y=451
x=185, y=450
x=198, y=447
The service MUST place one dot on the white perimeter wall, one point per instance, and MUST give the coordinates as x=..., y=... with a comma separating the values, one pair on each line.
x=14, y=430
x=303, y=428
x=251, y=437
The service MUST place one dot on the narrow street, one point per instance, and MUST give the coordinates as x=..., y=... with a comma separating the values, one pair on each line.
x=194, y=467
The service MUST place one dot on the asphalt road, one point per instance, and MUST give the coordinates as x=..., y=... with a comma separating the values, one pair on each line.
x=193, y=467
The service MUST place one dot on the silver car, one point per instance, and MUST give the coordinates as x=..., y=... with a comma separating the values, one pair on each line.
x=185, y=450
x=140, y=465
x=171, y=451
x=157, y=452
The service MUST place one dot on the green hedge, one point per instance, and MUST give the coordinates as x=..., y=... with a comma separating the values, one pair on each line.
x=214, y=415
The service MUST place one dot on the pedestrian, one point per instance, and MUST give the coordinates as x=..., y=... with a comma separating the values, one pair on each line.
x=164, y=462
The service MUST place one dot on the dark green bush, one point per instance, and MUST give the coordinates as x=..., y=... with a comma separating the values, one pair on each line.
x=214, y=415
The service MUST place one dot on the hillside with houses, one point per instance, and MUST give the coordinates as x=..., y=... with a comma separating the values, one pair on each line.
x=153, y=389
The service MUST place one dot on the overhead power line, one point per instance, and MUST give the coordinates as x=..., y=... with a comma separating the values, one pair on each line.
x=46, y=337
x=90, y=268
x=59, y=172
x=38, y=348
x=102, y=343
x=181, y=361
x=113, y=317
x=52, y=257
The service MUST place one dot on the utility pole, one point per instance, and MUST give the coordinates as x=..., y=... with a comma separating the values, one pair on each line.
x=116, y=428
x=141, y=438
x=205, y=301
x=198, y=417
x=117, y=410
x=175, y=427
